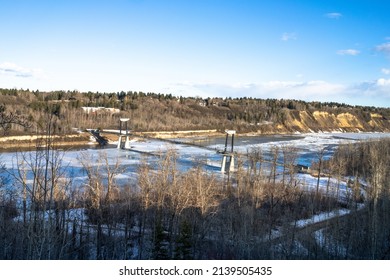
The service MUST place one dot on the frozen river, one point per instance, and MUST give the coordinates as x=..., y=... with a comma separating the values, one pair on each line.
x=72, y=161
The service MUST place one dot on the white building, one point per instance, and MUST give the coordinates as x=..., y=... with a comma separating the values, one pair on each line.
x=89, y=110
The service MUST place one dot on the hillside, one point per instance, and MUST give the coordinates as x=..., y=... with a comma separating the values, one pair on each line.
x=62, y=111
x=348, y=121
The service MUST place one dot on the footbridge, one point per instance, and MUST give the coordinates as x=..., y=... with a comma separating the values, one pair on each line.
x=124, y=135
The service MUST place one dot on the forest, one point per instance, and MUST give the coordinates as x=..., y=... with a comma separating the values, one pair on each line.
x=194, y=214
x=161, y=112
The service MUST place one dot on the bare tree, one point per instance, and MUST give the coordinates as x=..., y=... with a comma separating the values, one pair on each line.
x=290, y=156
x=320, y=157
x=7, y=119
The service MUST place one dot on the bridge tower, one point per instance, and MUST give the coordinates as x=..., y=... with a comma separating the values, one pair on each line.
x=123, y=135
x=227, y=164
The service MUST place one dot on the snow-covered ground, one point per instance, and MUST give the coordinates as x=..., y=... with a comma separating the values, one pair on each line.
x=321, y=217
x=147, y=150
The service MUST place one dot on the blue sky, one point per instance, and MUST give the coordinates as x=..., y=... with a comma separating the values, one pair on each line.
x=326, y=50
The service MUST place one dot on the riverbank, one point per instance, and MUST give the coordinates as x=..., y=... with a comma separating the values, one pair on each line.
x=29, y=142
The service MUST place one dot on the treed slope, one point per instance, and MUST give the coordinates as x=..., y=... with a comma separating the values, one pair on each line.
x=158, y=112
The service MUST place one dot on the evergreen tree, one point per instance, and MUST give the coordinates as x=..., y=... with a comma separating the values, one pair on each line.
x=184, y=243
x=160, y=251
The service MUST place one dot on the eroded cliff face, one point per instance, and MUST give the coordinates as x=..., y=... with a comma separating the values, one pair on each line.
x=322, y=121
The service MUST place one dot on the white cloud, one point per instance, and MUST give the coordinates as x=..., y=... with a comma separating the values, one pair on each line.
x=348, y=52
x=378, y=90
x=372, y=93
x=288, y=36
x=384, y=48
x=277, y=85
x=311, y=90
x=386, y=71
x=383, y=82
x=333, y=15
x=8, y=68
x=15, y=70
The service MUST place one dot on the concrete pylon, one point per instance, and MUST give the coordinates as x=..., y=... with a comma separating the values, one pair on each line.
x=227, y=164
x=126, y=144
x=119, y=146
x=126, y=134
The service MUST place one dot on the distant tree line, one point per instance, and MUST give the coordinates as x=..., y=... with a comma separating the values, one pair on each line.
x=156, y=111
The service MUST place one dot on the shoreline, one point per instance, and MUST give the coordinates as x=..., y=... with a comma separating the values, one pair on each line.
x=32, y=142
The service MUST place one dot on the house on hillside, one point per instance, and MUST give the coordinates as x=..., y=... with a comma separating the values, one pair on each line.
x=95, y=110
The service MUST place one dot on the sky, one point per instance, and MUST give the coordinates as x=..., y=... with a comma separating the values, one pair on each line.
x=325, y=50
